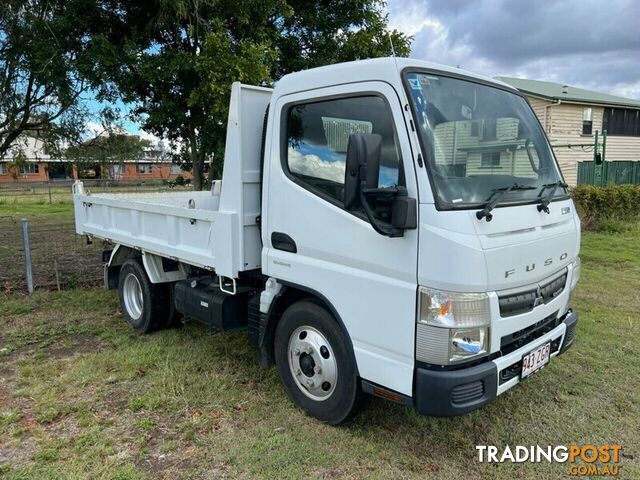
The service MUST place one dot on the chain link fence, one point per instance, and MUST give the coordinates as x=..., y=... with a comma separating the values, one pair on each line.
x=60, y=259
x=60, y=190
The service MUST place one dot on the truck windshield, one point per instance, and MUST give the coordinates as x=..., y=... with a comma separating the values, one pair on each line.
x=478, y=139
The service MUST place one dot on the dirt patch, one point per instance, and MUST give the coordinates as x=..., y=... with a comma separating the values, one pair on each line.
x=19, y=448
x=5, y=393
x=17, y=451
x=61, y=347
x=6, y=370
x=172, y=465
x=74, y=345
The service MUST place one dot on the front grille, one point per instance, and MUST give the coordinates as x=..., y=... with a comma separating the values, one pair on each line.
x=514, y=369
x=467, y=393
x=524, y=301
x=519, y=338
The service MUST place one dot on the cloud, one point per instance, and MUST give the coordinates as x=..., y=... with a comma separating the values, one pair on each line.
x=585, y=43
x=313, y=166
x=148, y=136
x=94, y=129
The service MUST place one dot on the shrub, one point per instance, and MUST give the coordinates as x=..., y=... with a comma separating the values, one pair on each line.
x=603, y=207
x=179, y=180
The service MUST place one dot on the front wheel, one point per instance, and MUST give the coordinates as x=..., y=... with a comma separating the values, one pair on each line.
x=315, y=363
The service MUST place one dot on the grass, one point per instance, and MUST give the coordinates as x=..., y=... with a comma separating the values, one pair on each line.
x=21, y=199
x=17, y=202
x=81, y=396
x=36, y=207
x=33, y=210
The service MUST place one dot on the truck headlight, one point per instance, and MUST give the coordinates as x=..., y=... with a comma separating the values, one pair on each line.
x=575, y=275
x=453, y=309
x=452, y=326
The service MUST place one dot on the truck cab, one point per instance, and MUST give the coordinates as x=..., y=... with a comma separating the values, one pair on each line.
x=411, y=237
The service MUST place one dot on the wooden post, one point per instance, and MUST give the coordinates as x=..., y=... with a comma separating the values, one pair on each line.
x=55, y=266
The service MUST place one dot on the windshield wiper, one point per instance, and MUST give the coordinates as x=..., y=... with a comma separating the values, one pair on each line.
x=543, y=206
x=498, y=194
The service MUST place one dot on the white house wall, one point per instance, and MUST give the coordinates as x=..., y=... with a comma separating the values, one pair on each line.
x=563, y=124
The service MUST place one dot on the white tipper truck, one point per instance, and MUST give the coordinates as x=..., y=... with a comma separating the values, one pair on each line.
x=388, y=227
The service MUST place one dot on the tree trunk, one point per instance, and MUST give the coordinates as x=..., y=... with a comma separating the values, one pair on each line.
x=196, y=163
x=196, y=171
x=212, y=172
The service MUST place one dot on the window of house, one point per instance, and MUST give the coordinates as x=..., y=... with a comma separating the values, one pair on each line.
x=621, y=121
x=318, y=135
x=489, y=129
x=3, y=168
x=117, y=170
x=144, y=167
x=587, y=121
x=176, y=169
x=490, y=160
x=30, y=169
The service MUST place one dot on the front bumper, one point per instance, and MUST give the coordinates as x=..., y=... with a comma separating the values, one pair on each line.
x=455, y=392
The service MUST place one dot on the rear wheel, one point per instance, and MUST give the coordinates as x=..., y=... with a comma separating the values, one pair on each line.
x=145, y=306
x=315, y=363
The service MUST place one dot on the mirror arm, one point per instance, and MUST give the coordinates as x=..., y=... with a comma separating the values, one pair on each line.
x=392, y=191
x=389, y=232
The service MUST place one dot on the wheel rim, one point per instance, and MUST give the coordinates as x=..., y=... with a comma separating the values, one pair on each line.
x=312, y=363
x=132, y=294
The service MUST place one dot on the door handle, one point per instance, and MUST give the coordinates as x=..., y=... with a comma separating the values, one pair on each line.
x=282, y=241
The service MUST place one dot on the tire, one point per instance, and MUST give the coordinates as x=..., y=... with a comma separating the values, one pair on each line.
x=145, y=306
x=316, y=364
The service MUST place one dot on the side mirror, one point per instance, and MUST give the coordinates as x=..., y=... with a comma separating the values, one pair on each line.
x=361, y=187
x=363, y=163
x=598, y=158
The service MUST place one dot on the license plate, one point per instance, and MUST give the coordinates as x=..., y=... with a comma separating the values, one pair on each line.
x=535, y=360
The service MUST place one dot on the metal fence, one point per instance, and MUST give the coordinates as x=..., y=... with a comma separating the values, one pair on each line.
x=59, y=259
x=60, y=190
x=613, y=172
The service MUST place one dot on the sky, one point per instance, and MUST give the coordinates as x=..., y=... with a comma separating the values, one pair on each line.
x=583, y=43
x=593, y=44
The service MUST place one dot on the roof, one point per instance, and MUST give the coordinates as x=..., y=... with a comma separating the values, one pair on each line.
x=557, y=91
x=384, y=69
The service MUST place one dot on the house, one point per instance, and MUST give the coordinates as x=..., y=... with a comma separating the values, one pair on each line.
x=572, y=115
x=35, y=166
x=28, y=161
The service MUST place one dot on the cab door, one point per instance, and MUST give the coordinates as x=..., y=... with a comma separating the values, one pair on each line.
x=309, y=238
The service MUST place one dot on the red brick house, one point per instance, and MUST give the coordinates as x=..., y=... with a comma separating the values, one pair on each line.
x=38, y=166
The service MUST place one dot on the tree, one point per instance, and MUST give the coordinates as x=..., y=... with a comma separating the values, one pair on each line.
x=326, y=32
x=105, y=150
x=40, y=82
x=177, y=65
x=51, y=58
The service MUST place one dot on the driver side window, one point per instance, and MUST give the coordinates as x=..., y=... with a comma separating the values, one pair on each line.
x=318, y=136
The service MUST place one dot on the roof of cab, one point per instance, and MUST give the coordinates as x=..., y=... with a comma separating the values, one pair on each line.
x=381, y=69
